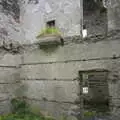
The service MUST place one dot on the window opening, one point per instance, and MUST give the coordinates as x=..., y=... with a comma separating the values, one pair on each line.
x=50, y=23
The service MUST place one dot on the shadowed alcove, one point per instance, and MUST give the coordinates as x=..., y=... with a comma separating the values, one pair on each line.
x=95, y=17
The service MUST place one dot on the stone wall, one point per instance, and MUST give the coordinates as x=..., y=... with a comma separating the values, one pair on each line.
x=9, y=79
x=64, y=12
x=50, y=77
x=11, y=36
x=10, y=23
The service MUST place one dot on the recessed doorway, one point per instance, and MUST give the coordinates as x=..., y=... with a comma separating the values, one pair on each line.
x=95, y=92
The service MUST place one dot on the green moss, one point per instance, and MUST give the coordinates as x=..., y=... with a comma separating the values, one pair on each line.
x=48, y=31
x=19, y=106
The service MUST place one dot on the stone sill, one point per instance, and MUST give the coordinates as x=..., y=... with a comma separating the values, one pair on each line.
x=49, y=40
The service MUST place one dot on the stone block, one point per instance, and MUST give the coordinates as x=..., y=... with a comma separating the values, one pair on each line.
x=49, y=40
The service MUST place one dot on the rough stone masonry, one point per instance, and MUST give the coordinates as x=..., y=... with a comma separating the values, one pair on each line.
x=49, y=78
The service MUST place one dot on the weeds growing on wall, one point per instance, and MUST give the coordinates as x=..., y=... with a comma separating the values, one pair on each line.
x=48, y=31
x=19, y=106
x=21, y=111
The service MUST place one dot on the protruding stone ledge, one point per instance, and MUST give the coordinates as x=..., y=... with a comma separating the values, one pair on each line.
x=50, y=40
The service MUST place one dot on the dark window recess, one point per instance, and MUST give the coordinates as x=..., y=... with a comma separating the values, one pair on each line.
x=84, y=27
x=51, y=23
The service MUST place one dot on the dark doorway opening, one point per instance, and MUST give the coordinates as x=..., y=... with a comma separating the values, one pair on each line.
x=97, y=97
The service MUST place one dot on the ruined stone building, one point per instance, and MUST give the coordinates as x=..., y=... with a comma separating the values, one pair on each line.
x=51, y=74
